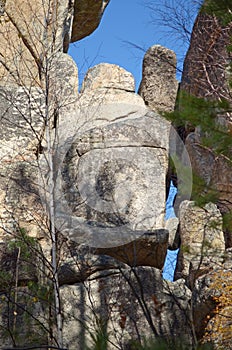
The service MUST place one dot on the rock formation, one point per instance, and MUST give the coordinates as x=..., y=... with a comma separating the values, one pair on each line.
x=203, y=260
x=202, y=240
x=119, y=308
x=30, y=30
x=159, y=86
x=87, y=16
x=206, y=74
x=205, y=67
x=95, y=163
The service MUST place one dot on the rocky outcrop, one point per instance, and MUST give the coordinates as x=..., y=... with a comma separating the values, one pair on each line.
x=125, y=304
x=101, y=156
x=32, y=31
x=205, y=71
x=107, y=182
x=206, y=75
x=202, y=241
x=87, y=16
x=159, y=86
x=113, y=195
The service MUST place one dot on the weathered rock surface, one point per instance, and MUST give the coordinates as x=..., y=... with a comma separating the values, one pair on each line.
x=212, y=308
x=105, y=75
x=23, y=118
x=148, y=250
x=129, y=303
x=106, y=180
x=32, y=31
x=205, y=71
x=206, y=74
x=122, y=188
x=172, y=225
x=87, y=16
x=108, y=83
x=21, y=130
x=216, y=171
x=202, y=241
x=159, y=86
x=26, y=43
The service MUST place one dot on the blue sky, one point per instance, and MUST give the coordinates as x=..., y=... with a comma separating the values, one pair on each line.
x=127, y=23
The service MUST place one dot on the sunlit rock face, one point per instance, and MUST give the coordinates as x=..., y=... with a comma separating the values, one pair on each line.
x=202, y=240
x=159, y=86
x=32, y=31
x=110, y=192
x=23, y=116
x=116, y=171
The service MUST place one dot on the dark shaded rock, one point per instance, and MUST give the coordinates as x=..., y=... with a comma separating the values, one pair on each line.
x=87, y=16
x=148, y=250
x=78, y=270
x=131, y=303
x=18, y=264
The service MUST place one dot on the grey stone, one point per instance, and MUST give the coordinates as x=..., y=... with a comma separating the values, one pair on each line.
x=174, y=237
x=107, y=75
x=130, y=303
x=116, y=175
x=159, y=86
x=202, y=240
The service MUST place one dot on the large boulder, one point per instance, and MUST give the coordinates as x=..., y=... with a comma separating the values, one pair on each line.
x=33, y=31
x=207, y=75
x=125, y=305
x=202, y=241
x=159, y=86
x=107, y=181
x=87, y=16
x=212, y=308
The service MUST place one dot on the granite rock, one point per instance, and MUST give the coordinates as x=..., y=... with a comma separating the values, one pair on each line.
x=159, y=86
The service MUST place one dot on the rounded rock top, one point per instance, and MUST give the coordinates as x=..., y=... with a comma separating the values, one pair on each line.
x=106, y=75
